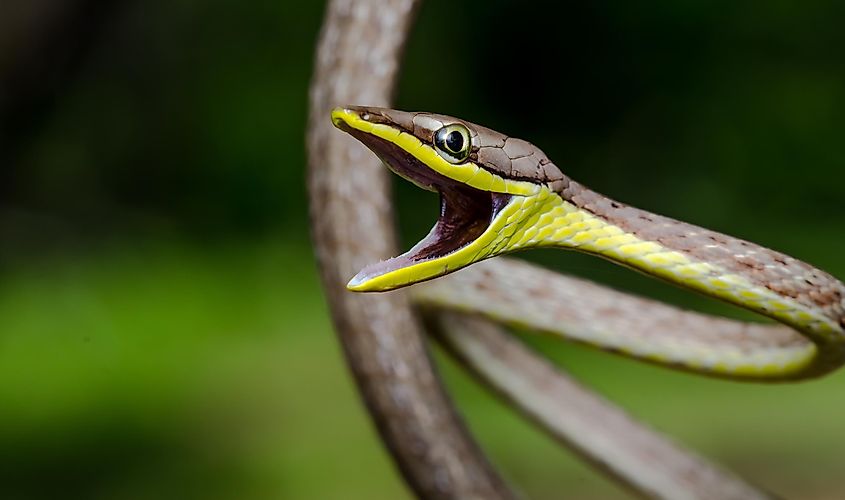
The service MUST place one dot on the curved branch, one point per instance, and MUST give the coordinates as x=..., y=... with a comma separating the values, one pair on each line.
x=639, y=458
x=357, y=61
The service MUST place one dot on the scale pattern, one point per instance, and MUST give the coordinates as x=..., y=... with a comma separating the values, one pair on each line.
x=560, y=223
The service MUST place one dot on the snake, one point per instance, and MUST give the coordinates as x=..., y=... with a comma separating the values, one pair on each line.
x=500, y=195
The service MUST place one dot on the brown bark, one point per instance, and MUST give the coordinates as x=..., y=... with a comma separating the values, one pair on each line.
x=357, y=62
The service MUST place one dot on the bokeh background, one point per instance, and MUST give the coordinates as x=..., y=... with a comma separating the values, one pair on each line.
x=162, y=330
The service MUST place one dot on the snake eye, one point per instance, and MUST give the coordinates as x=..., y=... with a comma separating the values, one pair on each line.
x=452, y=143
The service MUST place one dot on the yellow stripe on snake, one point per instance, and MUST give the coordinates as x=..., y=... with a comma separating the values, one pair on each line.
x=500, y=195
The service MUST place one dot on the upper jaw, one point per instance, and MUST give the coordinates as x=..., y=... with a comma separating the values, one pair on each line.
x=401, y=162
x=400, y=119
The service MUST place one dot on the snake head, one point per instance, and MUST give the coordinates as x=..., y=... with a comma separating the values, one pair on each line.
x=490, y=187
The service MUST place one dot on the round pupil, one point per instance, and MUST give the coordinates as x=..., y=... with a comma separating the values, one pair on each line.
x=455, y=141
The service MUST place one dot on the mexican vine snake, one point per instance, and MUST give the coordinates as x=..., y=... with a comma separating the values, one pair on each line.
x=500, y=195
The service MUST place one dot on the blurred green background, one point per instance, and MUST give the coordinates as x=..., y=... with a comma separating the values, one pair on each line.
x=162, y=330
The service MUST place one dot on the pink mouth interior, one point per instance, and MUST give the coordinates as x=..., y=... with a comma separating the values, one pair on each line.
x=465, y=212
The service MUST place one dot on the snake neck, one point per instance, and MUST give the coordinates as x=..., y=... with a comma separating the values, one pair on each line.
x=736, y=271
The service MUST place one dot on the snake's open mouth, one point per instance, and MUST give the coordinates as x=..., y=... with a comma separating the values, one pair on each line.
x=465, y=212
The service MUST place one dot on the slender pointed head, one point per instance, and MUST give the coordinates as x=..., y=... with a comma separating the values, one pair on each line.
x=488, y=184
